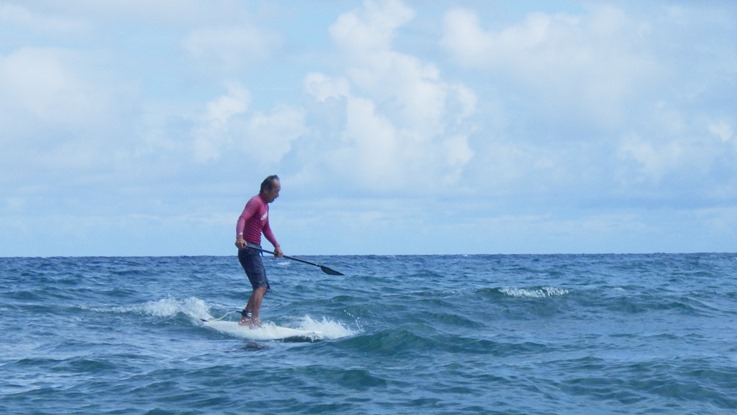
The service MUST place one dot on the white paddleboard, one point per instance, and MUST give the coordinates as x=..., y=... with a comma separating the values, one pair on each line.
x=268, y=331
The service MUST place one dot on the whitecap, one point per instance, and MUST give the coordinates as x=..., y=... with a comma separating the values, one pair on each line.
x=330, y=329
x=534, y=292
x=167, y=307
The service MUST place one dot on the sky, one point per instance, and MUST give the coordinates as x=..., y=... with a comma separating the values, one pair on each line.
x=132, y=127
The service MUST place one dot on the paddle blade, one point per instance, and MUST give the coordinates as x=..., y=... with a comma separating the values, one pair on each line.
x=329, y=271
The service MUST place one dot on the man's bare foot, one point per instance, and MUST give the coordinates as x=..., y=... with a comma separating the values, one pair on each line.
x=252, y=323
x=246, y=318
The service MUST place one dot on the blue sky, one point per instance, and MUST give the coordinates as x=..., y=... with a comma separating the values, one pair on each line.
x=397, y=127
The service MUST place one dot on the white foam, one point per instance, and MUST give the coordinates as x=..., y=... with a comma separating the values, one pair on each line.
x=305, y=327
x=268, y=331
x=169, y=307
x=328, y=328
x=198, y=310
x=534, y=293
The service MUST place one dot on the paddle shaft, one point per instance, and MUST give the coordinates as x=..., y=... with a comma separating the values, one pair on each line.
x=322, y=267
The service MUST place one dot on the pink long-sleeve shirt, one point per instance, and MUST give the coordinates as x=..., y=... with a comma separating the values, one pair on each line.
x=253, y=221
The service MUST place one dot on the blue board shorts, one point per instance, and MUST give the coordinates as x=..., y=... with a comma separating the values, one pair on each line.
x=250, y=260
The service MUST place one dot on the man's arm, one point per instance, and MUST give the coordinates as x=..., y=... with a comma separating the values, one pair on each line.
x=269, y=234
x=240, y=226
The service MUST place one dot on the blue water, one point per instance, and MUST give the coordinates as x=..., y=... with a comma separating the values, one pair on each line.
x=519, y=334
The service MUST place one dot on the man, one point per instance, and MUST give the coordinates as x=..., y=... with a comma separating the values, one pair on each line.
x=253, y=221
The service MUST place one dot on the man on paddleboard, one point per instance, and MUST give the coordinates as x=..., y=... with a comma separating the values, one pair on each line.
x=251, y=224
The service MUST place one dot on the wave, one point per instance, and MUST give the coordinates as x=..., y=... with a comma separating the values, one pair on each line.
x=197, y=310
x=192, y=307
x=541, y=292
x=331, y=329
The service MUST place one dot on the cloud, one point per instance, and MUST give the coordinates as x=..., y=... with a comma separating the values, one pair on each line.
x=228, y=128
x=600, y=123
x=652, y=161
x=60, y=106
x=269, y=136
x=44, y=85
x=613, y=101
x=214, y=131
x=230, y=49
x=236, y=101
x=592, y=63
x=370, y=29
x=27, y=20
x=322, y=87
x=457, y=153
x=721, y=129
x=678, y=153
x=404, y=126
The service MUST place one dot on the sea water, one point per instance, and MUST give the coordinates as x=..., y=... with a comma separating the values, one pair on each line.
x=481, y=334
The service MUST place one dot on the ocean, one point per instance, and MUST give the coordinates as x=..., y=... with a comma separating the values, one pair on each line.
x=476, y=334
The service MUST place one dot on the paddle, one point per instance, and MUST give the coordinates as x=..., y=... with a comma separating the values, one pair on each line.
x=322, y=267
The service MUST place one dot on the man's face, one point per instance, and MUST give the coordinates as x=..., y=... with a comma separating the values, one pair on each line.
x=272, y=194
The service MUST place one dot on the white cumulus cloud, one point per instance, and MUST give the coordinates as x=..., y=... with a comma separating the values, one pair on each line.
x=402, y=119
x=215, y=127
x=230, y=48
x=589, y=63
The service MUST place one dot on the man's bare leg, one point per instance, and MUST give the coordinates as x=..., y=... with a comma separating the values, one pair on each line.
x=254, y=307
